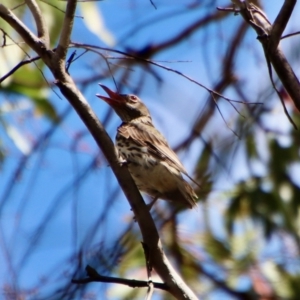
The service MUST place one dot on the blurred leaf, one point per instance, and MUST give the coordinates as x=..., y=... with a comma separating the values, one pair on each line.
x=19, y=140
x=202, y=175
x=38, y=97
x=95, y=22
x=216, y=248
x=133, y=253
x=282, y=282
x=280, y=159
x=9, y=58
x=251, y=146
x=2, y=154
x=267, y=208
x=203, y=160
x=45, y=107
x=241, y=244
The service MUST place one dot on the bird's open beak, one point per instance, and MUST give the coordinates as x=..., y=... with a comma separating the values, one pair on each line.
x=114, y=98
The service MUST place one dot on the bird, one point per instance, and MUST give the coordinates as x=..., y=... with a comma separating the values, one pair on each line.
x=153, y=165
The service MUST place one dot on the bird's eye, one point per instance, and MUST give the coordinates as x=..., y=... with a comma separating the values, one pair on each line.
x=133, y=98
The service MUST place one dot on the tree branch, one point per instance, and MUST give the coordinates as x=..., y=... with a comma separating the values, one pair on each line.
x=151, y=62
x=94, y=276
x=41, y=27
x=281, y=21
x=269, y=37
x=64, y=39
x=30, y=39
x=18, y=66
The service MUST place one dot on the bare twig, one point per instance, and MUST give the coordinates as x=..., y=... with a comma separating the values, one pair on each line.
x=217, y=106
x=17, y=173
x=18, y=66
x=41, y=26
x=280, y=96
x=149, y=270
x=24, y=50
x=70, y=60
x=153, y=4
x=4, y=38
x=150, y=290
x=290, y=34
x=92, y=47
x=94, y=276
x=64, y=39
x=226, y=80
x=50, y=4
x=183, y=35
x=31, y=39
x=110, y=71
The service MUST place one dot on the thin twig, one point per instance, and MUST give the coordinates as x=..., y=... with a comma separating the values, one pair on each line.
x=279, y=94
x=18, y=5
x=228, y=9
x=61, y=10
x=30, y=39
x=29, y=60
x=110, y=71
x=150, y=290
x=4, y=38
x=149, y=270
x=70, y=60
x=18, y=66
x=290, y=34
x=217, y=106
x=151, y=1
x=94, y=276
x=92, y=47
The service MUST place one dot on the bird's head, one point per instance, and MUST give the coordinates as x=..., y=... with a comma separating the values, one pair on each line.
x=128, y=107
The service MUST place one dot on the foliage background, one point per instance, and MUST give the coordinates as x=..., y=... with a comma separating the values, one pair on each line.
x=61, y=208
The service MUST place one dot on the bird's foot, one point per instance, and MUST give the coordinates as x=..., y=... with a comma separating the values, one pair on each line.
x=149, y=206
x=152, y=203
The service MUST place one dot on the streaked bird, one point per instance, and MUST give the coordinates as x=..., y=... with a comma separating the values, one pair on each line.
x=153, y=165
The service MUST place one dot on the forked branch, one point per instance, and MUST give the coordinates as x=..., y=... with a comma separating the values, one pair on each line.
x=269, y=35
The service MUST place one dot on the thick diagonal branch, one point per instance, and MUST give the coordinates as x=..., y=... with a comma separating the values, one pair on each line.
x=150, y=235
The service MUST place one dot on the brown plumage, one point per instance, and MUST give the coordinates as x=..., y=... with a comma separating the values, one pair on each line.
x=153, y=165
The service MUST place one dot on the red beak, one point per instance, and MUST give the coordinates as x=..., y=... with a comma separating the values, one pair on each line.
x=113, y=99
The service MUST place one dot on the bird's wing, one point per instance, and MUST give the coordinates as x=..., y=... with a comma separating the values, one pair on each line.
x=148, y=136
